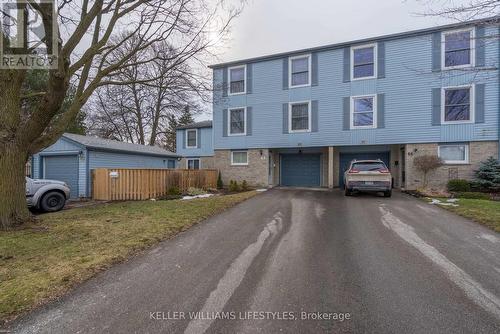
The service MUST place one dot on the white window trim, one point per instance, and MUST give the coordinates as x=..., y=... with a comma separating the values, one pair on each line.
x=244, y=122
x=472, y=48
x=244, y=80
x=455, y=162
x=188, y=159
x=309, y=66
x=375, y=60
x=290, y=104
x=472, y=100
x=238, y=163
x=375, y=112
x=187, y=141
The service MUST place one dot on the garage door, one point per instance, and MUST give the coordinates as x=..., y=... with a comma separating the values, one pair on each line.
x=63, y=168
x=346, y=158
x=300, y=170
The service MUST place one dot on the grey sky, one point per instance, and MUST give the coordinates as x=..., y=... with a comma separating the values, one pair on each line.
x=271, y=26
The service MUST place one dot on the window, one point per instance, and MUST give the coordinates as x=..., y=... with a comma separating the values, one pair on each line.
x=363, y=112
x=363, y=60
x=171, y=164
x=236, y=122
x=458, y=46
x=454, y=153
x=457, y=106
x=193, y=163
x=300, y=117
x=300, y=71
x=239, y=158
x=237, y=84
x=192, y=140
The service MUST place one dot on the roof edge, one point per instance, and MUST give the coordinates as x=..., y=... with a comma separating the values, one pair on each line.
x=97, y=148
x=486, y=21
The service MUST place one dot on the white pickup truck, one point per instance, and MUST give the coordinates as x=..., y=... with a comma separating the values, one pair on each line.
x=46, y=195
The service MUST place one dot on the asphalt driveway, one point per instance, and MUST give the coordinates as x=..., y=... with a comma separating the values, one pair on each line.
x=371, y=264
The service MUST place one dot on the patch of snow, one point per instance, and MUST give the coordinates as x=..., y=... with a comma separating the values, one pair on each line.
x=261, y=190
x=197, y=196
x=452, y=200
x=438, y=202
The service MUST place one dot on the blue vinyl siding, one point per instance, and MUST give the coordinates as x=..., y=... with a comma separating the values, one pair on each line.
x=407, y=88
x=206, y=148
x=102, y=159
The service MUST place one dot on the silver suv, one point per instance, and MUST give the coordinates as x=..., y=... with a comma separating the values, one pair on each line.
x=368, y=175
x=46, y=195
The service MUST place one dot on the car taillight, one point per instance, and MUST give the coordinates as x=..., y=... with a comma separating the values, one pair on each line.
x=353, y=170
x=384, y=170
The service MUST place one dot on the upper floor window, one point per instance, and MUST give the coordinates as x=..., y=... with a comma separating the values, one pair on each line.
x=300, y=71
x=457, y=106
x=237, y=84
x=454, y=153
x=300, y=116
x=236, y=122
x=192, y=138
x=363, y=112
x=363, y=60
x=458, y=47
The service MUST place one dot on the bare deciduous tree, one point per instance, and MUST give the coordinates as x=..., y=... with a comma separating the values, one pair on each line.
x=149, y=96
x=471, y=10
x=426, y=164
x=91, y=33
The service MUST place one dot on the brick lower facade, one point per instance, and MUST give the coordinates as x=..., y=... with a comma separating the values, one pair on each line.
x=478, y=151
x=255, y=173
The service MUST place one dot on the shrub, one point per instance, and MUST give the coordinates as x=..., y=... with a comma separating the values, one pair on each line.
x=427, y=163
x=174, y=191
x=220, y=185
x=192, y=191
x=472, y=195
x=487, y=177
x=234, y=186
x=458, y=185
x=244, y=186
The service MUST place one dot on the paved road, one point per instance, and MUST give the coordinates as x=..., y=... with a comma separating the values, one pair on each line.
x=395, y=265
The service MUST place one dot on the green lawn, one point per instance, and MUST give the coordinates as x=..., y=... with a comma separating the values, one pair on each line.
x=45, y=259
x=482, y=211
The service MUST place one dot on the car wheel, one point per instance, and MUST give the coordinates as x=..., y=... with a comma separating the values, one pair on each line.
x=347, y=192
x=52, y=201
x=388, y=193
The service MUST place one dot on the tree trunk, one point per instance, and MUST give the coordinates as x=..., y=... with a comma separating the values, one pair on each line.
x=13, y=208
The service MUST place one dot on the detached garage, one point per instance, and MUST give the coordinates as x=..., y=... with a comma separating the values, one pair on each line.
x=72, y=158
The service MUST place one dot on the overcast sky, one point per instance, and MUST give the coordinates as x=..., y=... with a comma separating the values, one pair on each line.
x=271, y=26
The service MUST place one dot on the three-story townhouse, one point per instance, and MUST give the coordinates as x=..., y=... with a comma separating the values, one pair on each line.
x=298, y=118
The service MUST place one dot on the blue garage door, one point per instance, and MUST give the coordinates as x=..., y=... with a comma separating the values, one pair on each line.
x=346, y=158
x=63, y=168
x=300, y=170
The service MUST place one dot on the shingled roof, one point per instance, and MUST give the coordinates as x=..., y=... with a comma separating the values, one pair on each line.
x=197, y=125
x=114, y=145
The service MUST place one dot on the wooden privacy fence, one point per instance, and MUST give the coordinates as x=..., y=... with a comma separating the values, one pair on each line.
x=141, y=184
